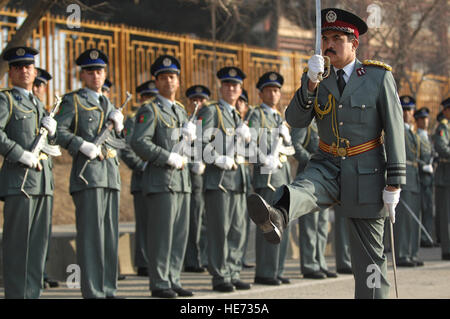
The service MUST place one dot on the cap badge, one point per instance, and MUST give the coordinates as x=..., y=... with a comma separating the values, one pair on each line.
x=20, y=52
x=94, y=55
x=151, y=85
x=232, y=73
x=167, y=62
x=198, y=89
x=406, y=99
x=273, y=77
x=331, y=16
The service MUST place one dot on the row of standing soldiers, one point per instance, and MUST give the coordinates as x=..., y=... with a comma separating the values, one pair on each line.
x=169, y=189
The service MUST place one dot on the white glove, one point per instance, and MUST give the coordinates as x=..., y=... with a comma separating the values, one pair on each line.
x=272, y=163
x=176, y=160
x=224, y=162
x=90, y=150
x=198, y=168
x=29, y=159
x=244, y=131
x=50, y=124
x=316, y=65
x=284, y=132
x=391, y=200
x=189, y=131
x=117, y=117
x=428, y=168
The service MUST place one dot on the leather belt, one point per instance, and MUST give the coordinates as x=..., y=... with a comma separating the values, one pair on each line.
x=350, y=151
x=444, y=160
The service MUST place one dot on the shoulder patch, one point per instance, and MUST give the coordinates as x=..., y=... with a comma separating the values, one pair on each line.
x=378, y=64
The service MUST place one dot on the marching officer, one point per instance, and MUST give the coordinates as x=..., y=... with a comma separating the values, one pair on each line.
x=96, y=193
x=225, y=182
x=193, y=259
x=353, y=106
x=166, y=184
x=313, y=228
x=425, y=174
x=406, y=229
x=28, y=201
x=442, y=179
x=146, y=91
x=272, y=170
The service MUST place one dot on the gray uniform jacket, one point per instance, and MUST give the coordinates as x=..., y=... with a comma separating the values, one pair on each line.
x=442, y=146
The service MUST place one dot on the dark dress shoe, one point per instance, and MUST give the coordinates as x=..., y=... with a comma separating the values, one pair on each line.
x=194, y=269
x=267, y=281
x=328, y=273
x=315, y=275
x=182, y=292
x=164, y=293
x=269, y=219
x=405, y=263
x=142, y=271
x=244, y=265
x=121, y=277
x=417, y=262
x=426, y=244
x=48, y=282
x=225, y=287
x=115, y=297
x=445, y=256
x=284, y=280
x=240, y=285
x=347, y=271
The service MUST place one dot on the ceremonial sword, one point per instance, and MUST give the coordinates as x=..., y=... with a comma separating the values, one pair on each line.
x=411, y=212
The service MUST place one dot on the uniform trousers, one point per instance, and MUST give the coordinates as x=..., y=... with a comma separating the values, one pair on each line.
x=26, y=232
x=167, y=235
x=97, y=223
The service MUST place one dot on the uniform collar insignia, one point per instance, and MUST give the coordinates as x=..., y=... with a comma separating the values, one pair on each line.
x=361, y=71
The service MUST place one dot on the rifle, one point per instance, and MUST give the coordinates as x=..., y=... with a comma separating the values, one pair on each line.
x=179, y=148
x=40, y=147
x=105, y=137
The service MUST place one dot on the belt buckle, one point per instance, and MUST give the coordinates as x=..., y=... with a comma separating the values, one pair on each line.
x=341, y=151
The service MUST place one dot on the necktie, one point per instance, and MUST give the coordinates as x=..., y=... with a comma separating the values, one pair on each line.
x=340, y=81
x=103, y=102
x=32, y=99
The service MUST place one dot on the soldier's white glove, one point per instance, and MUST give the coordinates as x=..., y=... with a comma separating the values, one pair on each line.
x=117, y=117
x=224, y=162
x=90, y=150
x=428, y=168
x=189, y=131
x=198, y=168
x=316, y=65
x=29, y=159
x=284, y=132
x=271, y=163
x=391, y=200
x=50, y=124
x=244, y=132
x=176, y=160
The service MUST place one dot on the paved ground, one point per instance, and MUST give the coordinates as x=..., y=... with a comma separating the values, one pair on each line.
x=428, y=282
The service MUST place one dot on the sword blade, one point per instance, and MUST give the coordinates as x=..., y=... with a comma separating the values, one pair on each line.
x=411, y=212
x=318, y=28
x=394, y=265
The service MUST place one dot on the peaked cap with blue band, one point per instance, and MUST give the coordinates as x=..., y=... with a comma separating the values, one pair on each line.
x=231, y=74
x=20, y=55
x=165, y=64
x=446, y=103
x=422, y=112
x=270, y=79
x=107, y=85
x=407, y=102
x=198, y=91
x=42, y=77
x=92, y=59
x=147, y=87
x=244, y=96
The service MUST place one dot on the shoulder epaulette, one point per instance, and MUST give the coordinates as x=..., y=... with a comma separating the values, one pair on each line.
x=180, y=105
x=5, y=89
x=209, y=103
x=378, y=64
x=305, y=69
x=444, y=121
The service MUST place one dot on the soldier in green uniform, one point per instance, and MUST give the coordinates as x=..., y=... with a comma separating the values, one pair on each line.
x=193, y=260
x=426, y=175
x=166, y=183
x=406, y=229
x=225, y=182
x=82, y=115
x=442, y=179
x=146, y=91
x=28, y=207
x=353, y=107
x=271, y=170
x=313, y=228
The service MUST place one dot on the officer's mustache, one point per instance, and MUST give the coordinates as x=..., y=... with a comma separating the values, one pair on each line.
x=330, y=50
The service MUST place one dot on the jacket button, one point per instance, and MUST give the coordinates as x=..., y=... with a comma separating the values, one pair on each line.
x=363, y=106
x=340, y=106
x=341, y=123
